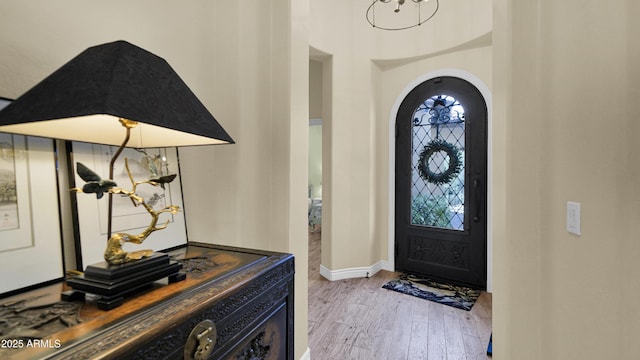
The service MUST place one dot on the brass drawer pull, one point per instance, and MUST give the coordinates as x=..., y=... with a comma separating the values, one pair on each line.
x=201, y=341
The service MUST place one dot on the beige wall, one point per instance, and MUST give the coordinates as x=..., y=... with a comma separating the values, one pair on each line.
x=315, y=130
x=246, y=61
x=315, y=89
x=557, y=65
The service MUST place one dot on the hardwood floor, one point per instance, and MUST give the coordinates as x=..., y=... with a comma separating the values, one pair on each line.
x=358, y=319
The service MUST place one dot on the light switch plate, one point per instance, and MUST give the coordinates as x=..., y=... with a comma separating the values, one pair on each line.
x=573, y=217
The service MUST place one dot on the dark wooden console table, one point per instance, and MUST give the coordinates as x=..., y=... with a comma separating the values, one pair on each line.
x=234, y=304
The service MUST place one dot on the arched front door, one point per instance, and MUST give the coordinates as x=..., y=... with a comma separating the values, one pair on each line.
x=441, y=182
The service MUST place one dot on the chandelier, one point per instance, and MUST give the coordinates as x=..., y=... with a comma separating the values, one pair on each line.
x=386, y=20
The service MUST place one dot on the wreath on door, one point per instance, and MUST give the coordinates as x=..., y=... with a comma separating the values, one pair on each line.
x=453, y=168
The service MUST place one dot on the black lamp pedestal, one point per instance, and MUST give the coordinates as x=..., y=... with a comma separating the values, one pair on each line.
x=112, y=283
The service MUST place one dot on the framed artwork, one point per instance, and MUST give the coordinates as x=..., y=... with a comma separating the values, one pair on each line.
x=30, y=236
x=92, y=212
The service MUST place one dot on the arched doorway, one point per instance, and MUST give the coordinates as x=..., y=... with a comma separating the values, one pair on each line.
x=440, y=181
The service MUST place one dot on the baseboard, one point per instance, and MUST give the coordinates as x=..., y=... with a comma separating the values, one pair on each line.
x=306, y=355
x=352, y=273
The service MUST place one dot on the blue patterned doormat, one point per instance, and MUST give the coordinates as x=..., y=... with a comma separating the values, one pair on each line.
x=457, y=296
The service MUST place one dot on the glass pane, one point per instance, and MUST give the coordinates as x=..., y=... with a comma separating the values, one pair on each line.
x=437, y=190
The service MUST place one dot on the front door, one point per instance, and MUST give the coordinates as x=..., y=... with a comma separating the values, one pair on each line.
x=441, y=182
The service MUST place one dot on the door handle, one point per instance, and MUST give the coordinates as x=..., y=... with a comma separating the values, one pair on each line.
x=476, y=187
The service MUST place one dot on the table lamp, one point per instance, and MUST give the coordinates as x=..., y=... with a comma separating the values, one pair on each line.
x=116, y=94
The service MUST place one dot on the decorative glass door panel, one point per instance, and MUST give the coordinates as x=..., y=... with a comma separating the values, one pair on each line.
x=437, y=193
